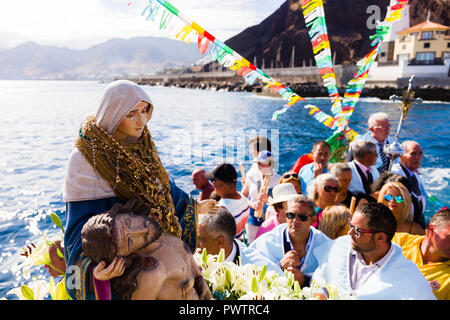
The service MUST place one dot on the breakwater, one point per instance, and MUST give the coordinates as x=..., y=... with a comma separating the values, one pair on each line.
x=304, y=81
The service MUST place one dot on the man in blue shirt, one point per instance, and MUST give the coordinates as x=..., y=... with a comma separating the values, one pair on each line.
x=321, y=155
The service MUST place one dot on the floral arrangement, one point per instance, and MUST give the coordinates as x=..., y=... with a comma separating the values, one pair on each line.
x=229, y=281
x=38, y=255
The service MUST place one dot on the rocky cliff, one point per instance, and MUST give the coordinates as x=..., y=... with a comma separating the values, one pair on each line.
x=272, y=41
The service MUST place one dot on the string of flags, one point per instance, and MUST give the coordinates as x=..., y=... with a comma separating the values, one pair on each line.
x=314, y=14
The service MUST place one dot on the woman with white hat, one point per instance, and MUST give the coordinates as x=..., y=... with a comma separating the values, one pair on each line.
x=282, y=193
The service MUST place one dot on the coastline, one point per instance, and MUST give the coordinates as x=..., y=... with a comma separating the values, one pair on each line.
x=304, y=84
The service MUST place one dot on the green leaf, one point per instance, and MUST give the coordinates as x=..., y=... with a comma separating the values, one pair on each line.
x=221, y=255
x=204, y=256
x=262, y=274
x=27, y=292
x=228, y=278
x=57, y=221
x=254, y=286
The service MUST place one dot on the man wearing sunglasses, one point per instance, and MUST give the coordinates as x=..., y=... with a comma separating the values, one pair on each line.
x=365, y=263
x=292, y=245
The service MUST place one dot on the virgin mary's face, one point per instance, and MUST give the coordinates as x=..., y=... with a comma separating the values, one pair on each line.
x=133, y=124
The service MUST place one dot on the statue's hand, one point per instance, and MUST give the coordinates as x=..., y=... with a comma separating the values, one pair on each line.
x=115, y=269
x=208, y=206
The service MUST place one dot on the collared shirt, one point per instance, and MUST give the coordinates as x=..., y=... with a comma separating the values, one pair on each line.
x=363, y=168
x=306, y=175
x=360, y=272
x=232, y=256
x=288, y=245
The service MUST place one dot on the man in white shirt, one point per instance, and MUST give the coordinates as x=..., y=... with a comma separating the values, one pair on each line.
x=408, y=167
x=379, y=129
x=364, y=172
x=216, y=231
x=366, y=264
x=224, y=180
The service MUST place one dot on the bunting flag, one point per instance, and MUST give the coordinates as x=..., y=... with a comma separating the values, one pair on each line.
x=217, y=50
x=314, y=15
x=313, y=11
x=342, y=109
x=226, y=56
x=356, y=85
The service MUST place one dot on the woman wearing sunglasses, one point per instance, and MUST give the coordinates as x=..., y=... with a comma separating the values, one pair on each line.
x=292, y=178
x=323, y=191
x=396, y=197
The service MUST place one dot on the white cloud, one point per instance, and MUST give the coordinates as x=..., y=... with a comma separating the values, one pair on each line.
x=82, y=23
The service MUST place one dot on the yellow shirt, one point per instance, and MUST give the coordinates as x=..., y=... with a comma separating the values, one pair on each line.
x=437, y=274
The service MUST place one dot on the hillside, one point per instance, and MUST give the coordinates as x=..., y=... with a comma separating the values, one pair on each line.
x=140, y=55
x=273, y=39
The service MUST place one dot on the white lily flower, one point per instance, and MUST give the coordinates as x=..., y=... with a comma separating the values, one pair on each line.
x=35, y=290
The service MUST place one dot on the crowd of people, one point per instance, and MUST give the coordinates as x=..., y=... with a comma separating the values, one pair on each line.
x=345, y=222
x=358, y=225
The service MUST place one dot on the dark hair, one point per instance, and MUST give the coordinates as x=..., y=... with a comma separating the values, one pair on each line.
x=321, y=143
x=278, y=206
x=389, y=177
x=260, y=143
x=97, y=238
x=363, y=147
x=380, y=218
x=222, y=223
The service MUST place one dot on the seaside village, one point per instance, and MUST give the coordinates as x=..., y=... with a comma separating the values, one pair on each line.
x=346, y=221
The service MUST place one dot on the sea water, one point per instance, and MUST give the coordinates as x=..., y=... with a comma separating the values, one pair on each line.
x=192, y=129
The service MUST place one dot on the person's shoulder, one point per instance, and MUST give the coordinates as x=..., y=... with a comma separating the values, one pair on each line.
x=271, y=236
x=305, y=168
x=404, y=238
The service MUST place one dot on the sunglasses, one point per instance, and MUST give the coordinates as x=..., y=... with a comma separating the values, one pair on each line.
x=398, y=199
x=290, y=175
x=330, y=188
x=301, y=216
x=358, y=231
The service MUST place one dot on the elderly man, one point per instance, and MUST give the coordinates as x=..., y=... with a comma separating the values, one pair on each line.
x=366, y=265
x=216, y=231
x=379, y=129
x=202, y=184
x=364, y=172
x=410, y=162
x=321, y=155
x=292, y=245
x=431, y=252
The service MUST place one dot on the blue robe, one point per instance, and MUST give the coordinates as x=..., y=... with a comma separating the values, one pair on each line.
x=78, y=213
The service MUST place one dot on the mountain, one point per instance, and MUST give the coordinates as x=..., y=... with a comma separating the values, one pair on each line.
x=116, y=57
x=273, y=39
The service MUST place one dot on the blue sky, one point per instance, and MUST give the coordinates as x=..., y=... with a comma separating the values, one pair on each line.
x=79, y=24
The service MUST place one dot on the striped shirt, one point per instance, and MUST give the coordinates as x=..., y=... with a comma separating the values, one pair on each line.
x=240, y=210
